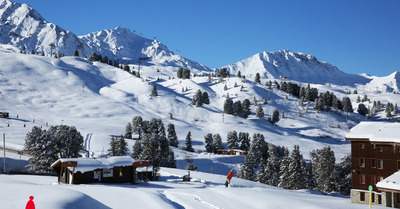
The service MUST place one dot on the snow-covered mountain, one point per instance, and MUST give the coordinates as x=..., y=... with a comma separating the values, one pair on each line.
x=388, y=83
x=294, y=66
x=25, y=28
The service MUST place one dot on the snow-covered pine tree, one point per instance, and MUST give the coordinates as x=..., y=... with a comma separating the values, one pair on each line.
x=41, y=146
x=284, y=171
x=297, y=179
x=217, y=143
x=188, y=142
x=173, y=139
x=323, y=161
x=271, y=170
x=122, y=146
x=244, y=140
x=246, y=171
x=137, y=125
x=259, y=112
x=136, y=149
x=112, y=151
x=261, y=177
x=128, y=131
x=232, y=140
x=343, y=178
x=198, y=99
x=69, y=141
x=208, y=139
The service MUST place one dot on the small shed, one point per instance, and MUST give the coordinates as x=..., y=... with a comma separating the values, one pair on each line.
x=230, y=152
x=4, y=115
x=118, y=169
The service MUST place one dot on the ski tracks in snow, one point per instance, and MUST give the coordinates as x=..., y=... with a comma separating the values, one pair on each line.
x=88, y=139
x=182, y=199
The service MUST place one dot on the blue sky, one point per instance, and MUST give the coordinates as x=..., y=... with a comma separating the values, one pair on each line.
x=357, y=36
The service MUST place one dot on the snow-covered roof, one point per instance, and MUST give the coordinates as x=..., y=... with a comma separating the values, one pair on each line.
x=392, y=182
x=376, y=132
x=90, y=164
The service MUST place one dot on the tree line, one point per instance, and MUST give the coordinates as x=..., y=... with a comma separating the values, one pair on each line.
x=276, y=166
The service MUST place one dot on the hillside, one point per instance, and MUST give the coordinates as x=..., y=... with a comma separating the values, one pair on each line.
x=100, y=100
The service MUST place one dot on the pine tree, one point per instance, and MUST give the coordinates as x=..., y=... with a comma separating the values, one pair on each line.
x=259, y=112
x=137, y=149
x=198, y=99
x=244, y=140
x=189, y=142
x=208, y=139
x=247, y=170
x=239, y=75
x=40, y=144
x=228, y=106
x=238, y=109
x=271, y=170
x=154, y=92
x=347, y=107
x=362, y=110
x=137, y=125
x=296, y=178
x=323, y=162
x=284, y=171
x=76, y=53
x=246, y=108
x=343, y=178
x=232, y=140
x=69, y=141
x=173, y=139
x=205, y=98
x=257, y=79
x=179, y=73
x=275, y=117
x=217, y=143
x=128, y=131
x=225, y=87
x=112, y=151
x=122, y=146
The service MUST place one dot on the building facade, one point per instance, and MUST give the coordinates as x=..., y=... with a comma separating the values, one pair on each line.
x=375, y=154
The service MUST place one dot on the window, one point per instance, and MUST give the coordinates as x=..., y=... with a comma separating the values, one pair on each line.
x=362, y=196
x=398, y=165
x=121, y=171
x=373, y=180
x=380, y=149
x=398, y=197
x=373, y=163
x=380, y=164
x=362, y=146
x=362, y=178
x=379, y=199
x=362, y=162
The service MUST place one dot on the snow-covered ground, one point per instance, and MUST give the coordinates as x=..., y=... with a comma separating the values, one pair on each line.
x=204, y=191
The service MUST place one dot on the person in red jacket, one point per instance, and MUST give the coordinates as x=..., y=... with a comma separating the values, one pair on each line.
x=30, y=204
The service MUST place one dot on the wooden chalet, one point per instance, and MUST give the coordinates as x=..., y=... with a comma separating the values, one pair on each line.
x=375, y=155
x=121, y=169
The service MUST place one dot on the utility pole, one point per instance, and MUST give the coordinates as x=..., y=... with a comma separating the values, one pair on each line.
x=4, y=149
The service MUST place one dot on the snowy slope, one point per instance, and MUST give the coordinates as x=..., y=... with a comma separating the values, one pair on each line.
x=22, y=26
x=294, y=66
x=389, y=83
x=205, y=191
x=100, y=100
